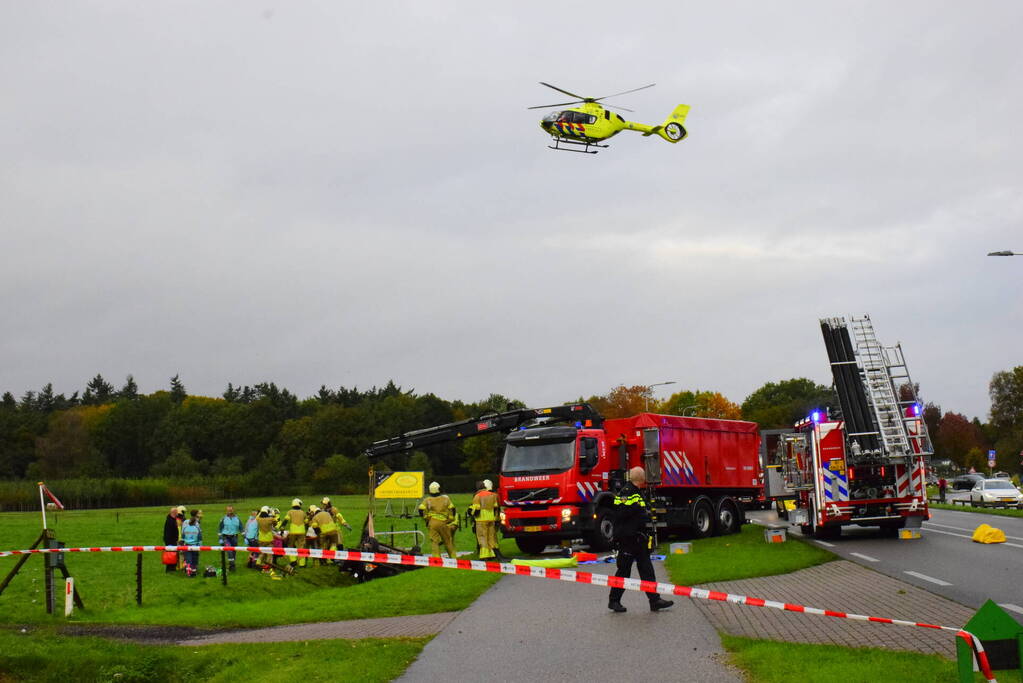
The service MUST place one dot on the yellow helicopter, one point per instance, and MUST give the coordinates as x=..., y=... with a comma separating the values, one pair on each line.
x=590, y=124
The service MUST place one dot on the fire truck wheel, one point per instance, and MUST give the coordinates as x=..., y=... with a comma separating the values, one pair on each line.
x=531, y=545
x=728, y=520
x=600, y=539
x=703, y=517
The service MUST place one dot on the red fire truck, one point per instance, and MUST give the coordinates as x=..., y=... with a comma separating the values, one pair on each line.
x=867, y=468
x=558, y=480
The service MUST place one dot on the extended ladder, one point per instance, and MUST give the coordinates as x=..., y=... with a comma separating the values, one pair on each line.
x=883, y=370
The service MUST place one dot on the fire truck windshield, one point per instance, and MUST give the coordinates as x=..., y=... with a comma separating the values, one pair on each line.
x=522, y=458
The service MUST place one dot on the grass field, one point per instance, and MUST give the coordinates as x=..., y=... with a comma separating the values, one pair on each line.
x=768, y=661
x=742, y=556
x=39, y=655
x=1004, y=512
x=107, y=580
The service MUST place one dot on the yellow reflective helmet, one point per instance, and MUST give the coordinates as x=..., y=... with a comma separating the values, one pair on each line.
x=296, y=502
x=265, y=509
x=434, y=487
x=325, y=501
x=488, y=485
x=313, y=509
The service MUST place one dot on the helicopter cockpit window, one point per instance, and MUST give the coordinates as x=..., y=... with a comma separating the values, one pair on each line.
x=607, y=114
x=552, y=117
x=620, y=118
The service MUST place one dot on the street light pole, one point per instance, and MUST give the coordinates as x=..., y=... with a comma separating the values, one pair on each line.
x=649, y=388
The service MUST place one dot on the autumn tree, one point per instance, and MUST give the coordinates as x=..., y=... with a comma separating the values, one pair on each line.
x=700, y=404
x=779, y=405
x=956, y=437
x=622, y=401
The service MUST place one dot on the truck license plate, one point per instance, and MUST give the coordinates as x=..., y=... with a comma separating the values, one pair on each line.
x=533, y=528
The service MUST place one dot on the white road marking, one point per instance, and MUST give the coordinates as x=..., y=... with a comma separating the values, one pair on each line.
x=1010, y=606
x=928, y=578
x=868, y=558
x=949, y=533
x=948, y=526
x=825, y=544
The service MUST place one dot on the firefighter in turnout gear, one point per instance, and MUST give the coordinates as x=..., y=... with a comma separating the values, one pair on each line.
x=439, y=513
x=339, y=519
x=485, y=508
x=265, y=536
x=631, y=522
x=295, y=526
x=330, y=537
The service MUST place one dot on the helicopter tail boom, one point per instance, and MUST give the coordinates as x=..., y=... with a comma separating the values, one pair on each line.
x=673, y=129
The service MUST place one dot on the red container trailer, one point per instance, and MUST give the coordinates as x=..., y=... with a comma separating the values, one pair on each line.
x=557, y=483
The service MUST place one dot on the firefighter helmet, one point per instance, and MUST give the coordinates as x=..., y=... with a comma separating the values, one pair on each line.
x=434, y=487
x=296, y=502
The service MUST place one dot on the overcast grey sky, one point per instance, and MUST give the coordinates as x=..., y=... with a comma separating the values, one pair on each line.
x=344, y=193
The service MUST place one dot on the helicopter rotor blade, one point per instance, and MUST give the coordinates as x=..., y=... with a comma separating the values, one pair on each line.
x=562, y=104
x=615, y=106
x=579, y=97
x=618, y=93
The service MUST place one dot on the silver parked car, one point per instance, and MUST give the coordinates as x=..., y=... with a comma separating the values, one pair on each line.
x=995, y=493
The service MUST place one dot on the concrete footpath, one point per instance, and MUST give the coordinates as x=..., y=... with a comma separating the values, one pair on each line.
x=536, y=629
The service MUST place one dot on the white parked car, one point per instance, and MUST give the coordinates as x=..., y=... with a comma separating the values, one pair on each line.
x=995, y=492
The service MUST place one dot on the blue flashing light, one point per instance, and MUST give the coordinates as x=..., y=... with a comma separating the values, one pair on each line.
x=578, y=425
x=522, y=429
x=815, y=416
x=917, y=409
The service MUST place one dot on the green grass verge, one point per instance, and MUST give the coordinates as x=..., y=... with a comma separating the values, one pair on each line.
x=1003, y=512
x=42, y=656
x=768, y=661
x=107, y=580
x=742, y=556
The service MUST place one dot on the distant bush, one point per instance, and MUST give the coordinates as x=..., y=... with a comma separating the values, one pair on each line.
x=77, y=494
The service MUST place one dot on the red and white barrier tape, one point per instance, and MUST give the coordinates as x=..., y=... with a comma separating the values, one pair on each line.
x=569, y=575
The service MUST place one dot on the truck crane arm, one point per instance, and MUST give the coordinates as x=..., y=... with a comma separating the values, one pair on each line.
x=485, y=424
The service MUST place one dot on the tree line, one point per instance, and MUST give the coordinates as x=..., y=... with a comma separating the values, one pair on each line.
x=265, y=435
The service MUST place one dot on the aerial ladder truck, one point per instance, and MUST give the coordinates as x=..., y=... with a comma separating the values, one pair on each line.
x=866, y=467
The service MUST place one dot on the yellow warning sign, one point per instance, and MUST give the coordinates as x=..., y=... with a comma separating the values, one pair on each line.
x=400, y=485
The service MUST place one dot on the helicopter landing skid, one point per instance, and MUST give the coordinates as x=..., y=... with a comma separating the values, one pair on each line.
x=575, y=143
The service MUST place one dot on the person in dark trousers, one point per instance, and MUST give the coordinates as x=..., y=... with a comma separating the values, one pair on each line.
x=942, y=487
x=228, y=531
x=170, y=534
x=631, y=520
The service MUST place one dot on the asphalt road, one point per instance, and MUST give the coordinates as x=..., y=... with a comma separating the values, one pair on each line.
x=945, y=560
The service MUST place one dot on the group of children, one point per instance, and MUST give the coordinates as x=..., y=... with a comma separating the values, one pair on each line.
x=316, y=527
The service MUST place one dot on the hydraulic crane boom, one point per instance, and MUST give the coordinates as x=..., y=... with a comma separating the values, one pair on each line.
x=485, y=424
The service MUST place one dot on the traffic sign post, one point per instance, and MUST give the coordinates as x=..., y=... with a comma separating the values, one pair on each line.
x=991, y=458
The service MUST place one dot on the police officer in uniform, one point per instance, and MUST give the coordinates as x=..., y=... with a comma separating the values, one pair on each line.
x=631, y=520
x=439, y=512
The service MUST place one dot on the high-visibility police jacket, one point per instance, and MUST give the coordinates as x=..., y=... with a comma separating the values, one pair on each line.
x=266, y=528
x=324, y=521
x=631, y=514
x=191, y=533
x=438, y=506
x=485, y=505
x=251, y=527
x=295, y=520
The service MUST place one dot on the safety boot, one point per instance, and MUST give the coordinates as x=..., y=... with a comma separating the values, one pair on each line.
x=617, y=606
x=660, y=603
